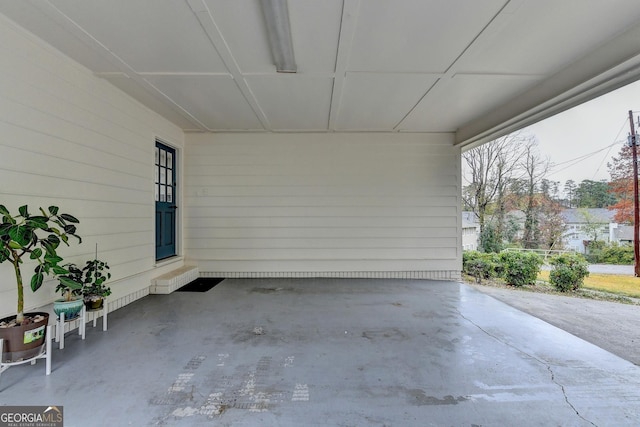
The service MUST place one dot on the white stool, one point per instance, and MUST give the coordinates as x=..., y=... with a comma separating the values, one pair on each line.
x=61, y=322
x=97, y=313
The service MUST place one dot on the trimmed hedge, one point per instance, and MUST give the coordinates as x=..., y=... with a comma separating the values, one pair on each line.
x=520, y=268
x=617, y=254
x=480, y=265
x=569, y=271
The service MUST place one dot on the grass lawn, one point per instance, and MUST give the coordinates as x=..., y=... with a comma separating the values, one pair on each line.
x=621, y=285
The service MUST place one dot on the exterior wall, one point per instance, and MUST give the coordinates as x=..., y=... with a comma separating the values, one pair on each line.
x=469, y=238
x=576, y=235
x=72, y=140
x=323, y=205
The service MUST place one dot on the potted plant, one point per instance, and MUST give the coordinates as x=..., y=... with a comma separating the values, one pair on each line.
x=37, y=238
x=93, y=277
x=70, y=287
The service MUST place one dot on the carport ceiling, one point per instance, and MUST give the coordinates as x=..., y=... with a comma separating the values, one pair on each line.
x=479, y=68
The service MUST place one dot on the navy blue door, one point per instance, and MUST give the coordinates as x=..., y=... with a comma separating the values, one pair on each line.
x=165, y=201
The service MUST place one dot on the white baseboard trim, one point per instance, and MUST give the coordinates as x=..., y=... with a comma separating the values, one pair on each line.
x=432, y=275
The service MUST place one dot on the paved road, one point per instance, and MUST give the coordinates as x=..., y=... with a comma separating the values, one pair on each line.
x=612, y=326
x=605, y=269
x=611, y=269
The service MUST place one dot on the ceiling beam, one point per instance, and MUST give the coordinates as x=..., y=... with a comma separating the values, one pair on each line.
x=610, y=66
x=345, y=40
x=211, y=29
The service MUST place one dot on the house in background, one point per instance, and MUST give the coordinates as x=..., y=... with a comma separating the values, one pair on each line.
x=470, y=231
x=586, y=225
x=621, y=234
x=166, y=128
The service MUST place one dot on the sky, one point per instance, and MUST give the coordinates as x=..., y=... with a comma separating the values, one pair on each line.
x=579, y=141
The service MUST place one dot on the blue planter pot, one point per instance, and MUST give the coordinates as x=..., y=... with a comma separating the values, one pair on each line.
x=71, y=309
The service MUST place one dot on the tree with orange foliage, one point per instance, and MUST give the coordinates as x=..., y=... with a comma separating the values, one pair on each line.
x=621, y=185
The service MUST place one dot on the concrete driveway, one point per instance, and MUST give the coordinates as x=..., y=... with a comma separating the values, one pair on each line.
x=330, y=353
x=612, y=326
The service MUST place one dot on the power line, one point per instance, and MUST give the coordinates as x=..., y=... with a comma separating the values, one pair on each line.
x=624, y=124
x=572, y=162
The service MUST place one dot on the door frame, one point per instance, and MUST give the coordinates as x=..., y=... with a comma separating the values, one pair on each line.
x=177, y=199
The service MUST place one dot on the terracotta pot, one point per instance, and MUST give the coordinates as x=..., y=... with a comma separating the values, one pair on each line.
x=25, y=341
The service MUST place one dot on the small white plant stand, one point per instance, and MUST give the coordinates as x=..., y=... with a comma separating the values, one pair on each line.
x=82, y=327
x=46, y=354
x=61, y=321
x=98, y=312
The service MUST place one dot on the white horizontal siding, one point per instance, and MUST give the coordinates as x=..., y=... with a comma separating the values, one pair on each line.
x=337, y=205
x=72, y=140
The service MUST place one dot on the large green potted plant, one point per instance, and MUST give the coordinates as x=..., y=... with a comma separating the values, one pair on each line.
x=36, y=238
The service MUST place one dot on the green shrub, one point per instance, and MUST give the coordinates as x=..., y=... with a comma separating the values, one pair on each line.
x=617, y=254
x=520, y=268
x=479, y=265
x=595, y=251
x=569, y=271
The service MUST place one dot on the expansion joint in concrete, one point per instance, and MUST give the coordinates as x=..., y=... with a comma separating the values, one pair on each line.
x=564, y=393
x=537, y=359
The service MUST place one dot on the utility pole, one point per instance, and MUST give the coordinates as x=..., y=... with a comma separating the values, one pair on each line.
x=636, y=211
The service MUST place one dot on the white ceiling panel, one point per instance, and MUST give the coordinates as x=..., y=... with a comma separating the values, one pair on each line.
x=540, y=37
x=379, y=101
x=215, y=101
x=155, y=101
x=417, y=35
x=40, y=24
x=149, y=35
x=477, y=68
x=315, y=26
x=456, y=100
x=285, y=100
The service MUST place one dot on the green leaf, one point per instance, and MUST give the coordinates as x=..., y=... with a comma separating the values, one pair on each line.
x=70, y=229
x=71, y=284
x=23, y=211
x=4, y=228
x=36, y=253
x=21, y=234
x=54, y=240
x=36, y=281
x=37, y=222
x=14, y=245
x=59, y=270
x=49, y=248
x=52, y=259
x=69, y=218
x=53, y=210
x=4, y=211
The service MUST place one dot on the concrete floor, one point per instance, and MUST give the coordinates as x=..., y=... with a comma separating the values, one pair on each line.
x=330, y=353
